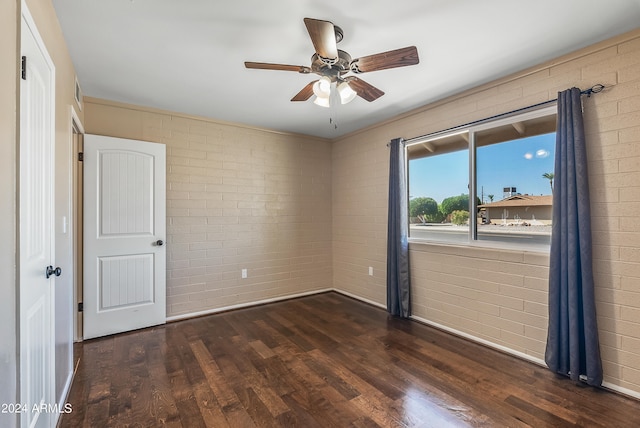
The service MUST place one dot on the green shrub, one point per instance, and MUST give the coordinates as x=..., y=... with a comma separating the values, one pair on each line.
x=459, y=217
x=423, y=208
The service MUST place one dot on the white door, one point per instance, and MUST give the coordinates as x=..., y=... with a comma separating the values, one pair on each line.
x=124, y=233
x=36, y=232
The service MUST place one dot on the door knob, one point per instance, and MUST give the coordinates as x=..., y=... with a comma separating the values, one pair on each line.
x=159, y=243
x=52, y=271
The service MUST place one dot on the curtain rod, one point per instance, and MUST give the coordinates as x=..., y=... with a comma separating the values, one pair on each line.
x=592, y=90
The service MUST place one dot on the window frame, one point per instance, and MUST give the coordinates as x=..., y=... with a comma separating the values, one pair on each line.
x=472, y=144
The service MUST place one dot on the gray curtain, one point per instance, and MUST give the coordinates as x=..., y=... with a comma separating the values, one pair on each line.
x=398, y=283
x=572, y=341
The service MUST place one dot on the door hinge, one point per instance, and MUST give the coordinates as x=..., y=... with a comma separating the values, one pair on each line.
x=80, y=307
x=24, y=68
x=80, y=156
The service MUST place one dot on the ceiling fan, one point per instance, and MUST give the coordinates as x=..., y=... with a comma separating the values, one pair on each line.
x=336, y=68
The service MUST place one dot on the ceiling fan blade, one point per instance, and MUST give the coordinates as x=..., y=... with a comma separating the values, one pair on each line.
x=381, y=61
x=364, y=89
x=305, y=93
x=323, y=37
x=284, y=67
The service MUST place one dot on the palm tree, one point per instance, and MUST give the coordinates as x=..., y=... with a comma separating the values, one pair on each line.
x=549, y=176
x=490, y=197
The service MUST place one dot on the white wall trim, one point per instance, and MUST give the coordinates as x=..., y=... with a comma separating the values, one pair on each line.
x=65, y=391
x=362, y=299
x=621, y=390
x=481, y=341
x=74, y=122
x=245, y=305
x=271, y=300
x=75, y=119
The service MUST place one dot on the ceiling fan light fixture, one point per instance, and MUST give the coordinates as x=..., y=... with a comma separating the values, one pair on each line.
x=346, y=93
x=322, y=88
x=322, y=101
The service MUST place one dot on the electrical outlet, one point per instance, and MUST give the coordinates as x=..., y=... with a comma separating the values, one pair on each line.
x=244, y=273
x=371, y=270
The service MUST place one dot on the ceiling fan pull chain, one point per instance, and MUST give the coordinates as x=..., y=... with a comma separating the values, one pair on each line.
x=334, y=105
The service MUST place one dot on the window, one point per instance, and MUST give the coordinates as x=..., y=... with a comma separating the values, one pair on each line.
x=489, y=182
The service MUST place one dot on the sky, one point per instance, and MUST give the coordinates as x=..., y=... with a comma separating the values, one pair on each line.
x=518, y=163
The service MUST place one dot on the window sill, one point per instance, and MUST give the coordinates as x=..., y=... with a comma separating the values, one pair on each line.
x=490, y=245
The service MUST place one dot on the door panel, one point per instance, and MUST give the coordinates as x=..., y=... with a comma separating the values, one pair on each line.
x=37, y=375
x=127, y=200
x=125, y=281
x=124, y=232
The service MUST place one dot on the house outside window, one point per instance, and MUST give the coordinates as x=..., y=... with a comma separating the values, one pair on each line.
x=490, y=183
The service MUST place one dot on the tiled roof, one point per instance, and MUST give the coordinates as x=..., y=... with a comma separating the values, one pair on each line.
x=521, y=201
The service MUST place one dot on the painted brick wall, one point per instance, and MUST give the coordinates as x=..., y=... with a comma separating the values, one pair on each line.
x=235, y=200
x=500, y=296
x=237, y=197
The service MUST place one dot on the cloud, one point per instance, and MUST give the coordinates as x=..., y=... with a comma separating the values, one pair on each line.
x=528, y=155
x=542, y=153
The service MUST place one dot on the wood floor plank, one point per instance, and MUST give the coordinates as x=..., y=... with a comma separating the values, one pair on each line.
x=370, y=400
x=256, y=408
x=321, y=361
x=318, y=397
x=231, y=407
x=304, y=417
x=462, y=389
x=220, y=388
x=413, y=388
x=208, y=406
x=312, y=389
x=263, y=350
x=252, y=378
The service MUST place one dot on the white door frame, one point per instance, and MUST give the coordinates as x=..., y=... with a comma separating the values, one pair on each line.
x=75, y=128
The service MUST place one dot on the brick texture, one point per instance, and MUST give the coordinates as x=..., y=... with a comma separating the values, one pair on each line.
x=237, y=198
x=500, y=296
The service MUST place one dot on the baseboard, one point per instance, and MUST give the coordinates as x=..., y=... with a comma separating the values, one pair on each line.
x=621, y=390
x=271, y=300
x=62, y=400
x=364, y=300
x=452, y=331
x=245, y=305
x=606, y=385
x=481, y=341
x=361, y=299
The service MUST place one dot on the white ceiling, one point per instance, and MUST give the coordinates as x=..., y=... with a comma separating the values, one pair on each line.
x=188, y=56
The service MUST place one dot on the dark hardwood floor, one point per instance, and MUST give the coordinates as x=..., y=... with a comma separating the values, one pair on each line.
x=321, y=361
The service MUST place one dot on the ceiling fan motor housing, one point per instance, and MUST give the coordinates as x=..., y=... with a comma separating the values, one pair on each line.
x=332, y=71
